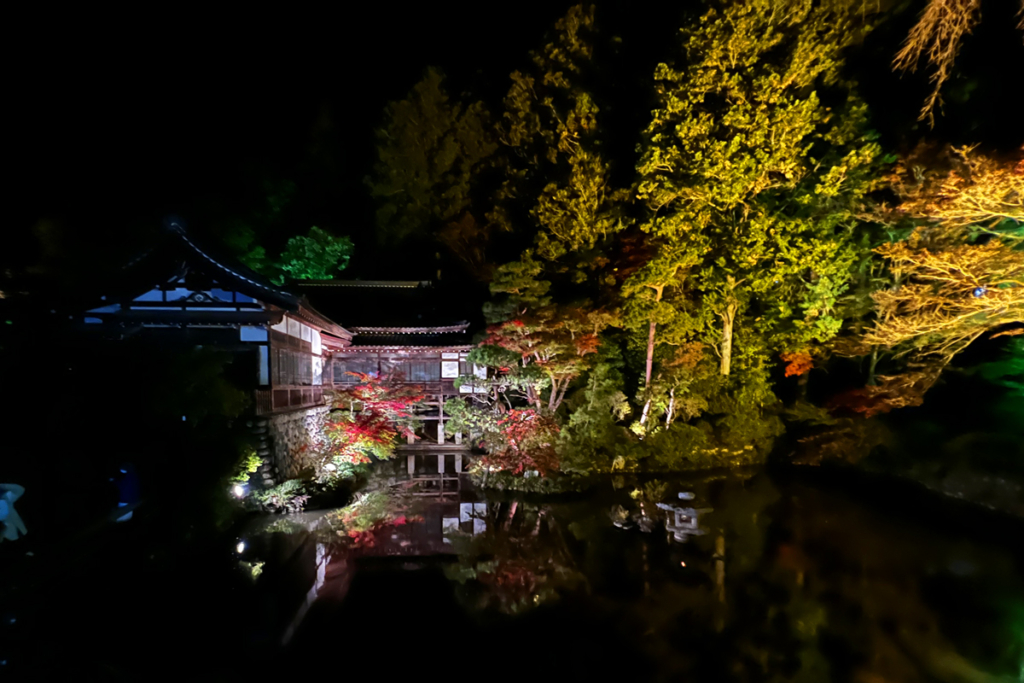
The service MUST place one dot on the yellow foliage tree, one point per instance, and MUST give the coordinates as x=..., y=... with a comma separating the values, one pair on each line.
x=960, y=274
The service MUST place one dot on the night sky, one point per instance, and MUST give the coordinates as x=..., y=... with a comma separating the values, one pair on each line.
x=121, y=120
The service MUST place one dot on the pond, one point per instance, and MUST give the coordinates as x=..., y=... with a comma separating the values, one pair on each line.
x=719, y=577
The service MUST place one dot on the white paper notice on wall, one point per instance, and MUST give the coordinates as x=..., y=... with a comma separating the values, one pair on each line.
x=449, y=369
x=452, y=356
x=315, y=342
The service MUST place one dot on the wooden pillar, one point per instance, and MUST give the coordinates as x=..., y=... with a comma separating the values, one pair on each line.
x=411, y=464
x=440, y=463
x=458, y=463
x=440, y=420
x=458, y=438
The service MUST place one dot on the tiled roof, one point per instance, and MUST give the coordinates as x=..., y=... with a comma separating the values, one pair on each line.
x=460, y=327
x=417, y=339
x=366, y=284
x=405, y=349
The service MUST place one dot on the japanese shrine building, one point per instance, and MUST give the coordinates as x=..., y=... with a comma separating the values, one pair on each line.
x=431, y=354
x=297, y=353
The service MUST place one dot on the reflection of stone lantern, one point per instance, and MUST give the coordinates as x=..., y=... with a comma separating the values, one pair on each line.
x=681, y=522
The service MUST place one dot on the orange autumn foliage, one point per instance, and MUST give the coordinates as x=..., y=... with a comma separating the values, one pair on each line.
x=797, y=363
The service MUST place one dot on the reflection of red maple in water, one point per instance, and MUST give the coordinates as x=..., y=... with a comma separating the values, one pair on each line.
x=368, y=538
x=513, y=578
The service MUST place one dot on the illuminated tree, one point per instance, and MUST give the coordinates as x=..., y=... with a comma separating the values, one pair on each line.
x=645, y=297
x=555, y=343
x=520, y=287
x=557, y=184
x=962, y=193
x=591, y=432
x=937, y=37
x=960, y=273
x=317, y=256
x=945, y=299
x=528, y=443
x=656, y=296
x=385, y=413
x=430, y=153
x=756, y=163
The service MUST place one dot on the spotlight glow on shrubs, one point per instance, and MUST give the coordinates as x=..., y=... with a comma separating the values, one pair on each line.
x=238, y=490
x=240, y=548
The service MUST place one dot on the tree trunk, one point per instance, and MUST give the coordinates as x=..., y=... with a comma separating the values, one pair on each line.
x=561, y=396
x=728, y=318
x=671, y=406
x=512, y=513
x=647, y=410
x=871, y=367
x=533, y=397
x=650, y=354
x=801, y=385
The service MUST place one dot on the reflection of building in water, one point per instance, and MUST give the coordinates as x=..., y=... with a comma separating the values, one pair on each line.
x=303, y=566
x=680, y=522
x=438, y=473
x=321, y=561
x=472, y=519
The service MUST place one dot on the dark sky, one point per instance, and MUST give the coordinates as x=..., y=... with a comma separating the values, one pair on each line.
x=120, y=119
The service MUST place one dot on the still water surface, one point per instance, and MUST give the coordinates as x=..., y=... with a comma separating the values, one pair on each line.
x=727, y=577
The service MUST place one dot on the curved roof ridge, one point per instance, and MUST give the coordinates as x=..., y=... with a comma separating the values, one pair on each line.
x=384, y=284
x=438, y=329
x=285, y=298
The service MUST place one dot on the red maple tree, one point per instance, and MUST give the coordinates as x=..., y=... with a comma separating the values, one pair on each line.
x=557, y=341
x=385, y=414
x=529, y=443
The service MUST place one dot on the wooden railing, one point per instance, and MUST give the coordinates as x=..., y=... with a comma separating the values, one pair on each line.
x=445, y=386
x=283, y=399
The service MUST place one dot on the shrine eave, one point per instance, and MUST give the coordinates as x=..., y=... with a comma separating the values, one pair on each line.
x=462, y=348
x=366, y=284
x=445, y=329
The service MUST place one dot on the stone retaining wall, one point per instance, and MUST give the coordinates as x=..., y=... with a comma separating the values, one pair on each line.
x=289, y=432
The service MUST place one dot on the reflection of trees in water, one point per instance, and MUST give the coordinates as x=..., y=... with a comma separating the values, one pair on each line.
x=520, y=560
x=802, y=587
x=807, y=588
x=796, y=584
x=865, y=571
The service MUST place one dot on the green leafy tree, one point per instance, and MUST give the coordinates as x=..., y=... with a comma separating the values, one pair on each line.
x=756, y=163
x=557, y=183
x=255, y=235
x=431, y=152
x=657, y=299
x=592, y=429
x=316, y=256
